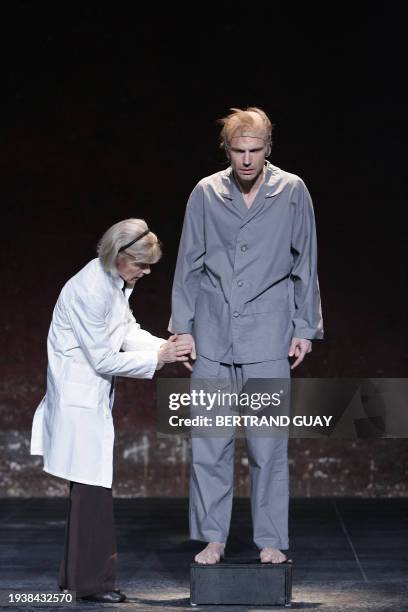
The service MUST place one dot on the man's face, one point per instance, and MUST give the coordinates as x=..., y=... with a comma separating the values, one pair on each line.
x=247, y=156
x=130, y=270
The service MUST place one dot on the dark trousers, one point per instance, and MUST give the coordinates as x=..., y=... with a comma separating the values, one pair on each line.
x=90, y=555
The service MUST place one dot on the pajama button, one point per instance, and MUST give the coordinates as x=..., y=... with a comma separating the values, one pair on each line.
x=235, y=314
x=240, y=283
x=244, y=248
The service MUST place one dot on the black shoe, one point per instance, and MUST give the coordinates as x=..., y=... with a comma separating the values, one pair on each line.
x=115, y=596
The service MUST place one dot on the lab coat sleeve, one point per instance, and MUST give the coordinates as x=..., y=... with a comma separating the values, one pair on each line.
x=138, y=339
x=90, y=328
x=190, y=264
x=307, y=316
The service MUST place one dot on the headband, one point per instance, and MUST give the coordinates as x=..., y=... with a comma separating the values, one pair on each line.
x=126, y=246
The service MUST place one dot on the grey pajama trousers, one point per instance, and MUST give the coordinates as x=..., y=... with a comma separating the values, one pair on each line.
x=212, y=470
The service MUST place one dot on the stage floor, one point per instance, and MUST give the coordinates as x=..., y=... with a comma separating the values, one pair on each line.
x=348, y=554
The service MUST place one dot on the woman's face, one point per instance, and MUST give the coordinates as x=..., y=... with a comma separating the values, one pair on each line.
x=130, y=270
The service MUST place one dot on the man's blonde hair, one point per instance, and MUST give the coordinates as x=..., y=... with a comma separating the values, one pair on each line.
x=251, y=121
x=146, y=250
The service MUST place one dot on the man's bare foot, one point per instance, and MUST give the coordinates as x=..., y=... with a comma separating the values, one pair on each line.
x=211, y=554
x=272, y=555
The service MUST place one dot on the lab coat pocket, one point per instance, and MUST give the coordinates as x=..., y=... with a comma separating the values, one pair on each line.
x=80, y=387
x=80, y=395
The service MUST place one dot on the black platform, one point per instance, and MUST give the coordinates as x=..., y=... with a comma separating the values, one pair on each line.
x=348, y=554
x=242, y=582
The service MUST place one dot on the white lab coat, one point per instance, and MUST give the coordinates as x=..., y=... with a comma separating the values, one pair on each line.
x=72, y=426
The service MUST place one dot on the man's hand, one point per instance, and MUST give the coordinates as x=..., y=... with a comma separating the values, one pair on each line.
x=299, y=347
x=173, y=350
x=187, y=339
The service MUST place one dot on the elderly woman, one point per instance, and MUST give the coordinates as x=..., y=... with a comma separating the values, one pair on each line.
x=93, y=337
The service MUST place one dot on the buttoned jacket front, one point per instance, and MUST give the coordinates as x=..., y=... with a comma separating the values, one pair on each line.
x=246, y=279
x=93, y=336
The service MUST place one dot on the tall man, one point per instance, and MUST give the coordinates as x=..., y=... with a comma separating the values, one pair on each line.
x=246, y=296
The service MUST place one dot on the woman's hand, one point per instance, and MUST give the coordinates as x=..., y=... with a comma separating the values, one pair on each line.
x=175, y=349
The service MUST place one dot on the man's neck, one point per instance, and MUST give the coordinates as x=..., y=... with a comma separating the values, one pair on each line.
x=251, y=187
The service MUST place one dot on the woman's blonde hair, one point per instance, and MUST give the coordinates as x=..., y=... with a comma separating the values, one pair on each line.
x=147, y=249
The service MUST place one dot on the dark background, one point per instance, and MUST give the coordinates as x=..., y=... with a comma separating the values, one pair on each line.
x=109, y=114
